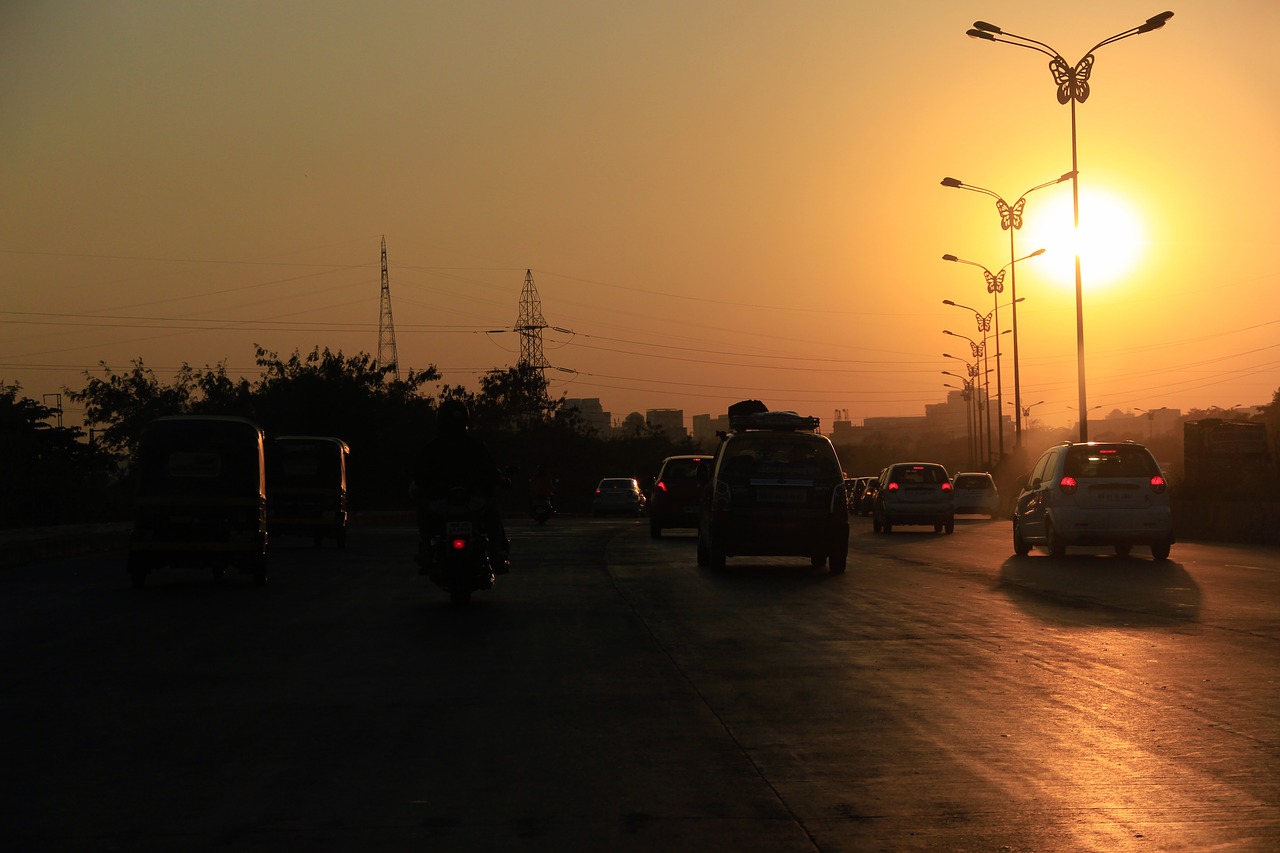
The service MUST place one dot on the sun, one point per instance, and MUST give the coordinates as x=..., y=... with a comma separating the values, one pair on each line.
x=1111, y=237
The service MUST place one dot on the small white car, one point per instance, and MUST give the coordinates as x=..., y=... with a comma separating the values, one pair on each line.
x=975, y=492
x=1095, y=493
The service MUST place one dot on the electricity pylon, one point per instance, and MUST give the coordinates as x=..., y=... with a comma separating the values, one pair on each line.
x=530, y=325
x=387, y=356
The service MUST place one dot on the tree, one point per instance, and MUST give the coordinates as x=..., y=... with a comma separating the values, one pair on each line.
x=121, y=404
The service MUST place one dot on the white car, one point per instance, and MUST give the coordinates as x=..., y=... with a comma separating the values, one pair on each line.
x=975, y=492
x=1095, y=493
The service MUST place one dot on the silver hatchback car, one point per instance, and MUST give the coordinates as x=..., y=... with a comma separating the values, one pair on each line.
x=914, y=493
x=1095, y=493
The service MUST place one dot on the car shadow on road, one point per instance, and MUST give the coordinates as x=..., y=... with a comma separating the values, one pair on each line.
x=1105, y=588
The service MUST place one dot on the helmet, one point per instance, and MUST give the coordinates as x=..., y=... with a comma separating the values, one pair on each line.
x=452, y=417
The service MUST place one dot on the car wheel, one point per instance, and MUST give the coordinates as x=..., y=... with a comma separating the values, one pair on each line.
x=888, y=528
x=950, y=525
x=1123, y=550
x=937, y=528
x=1160, y=551
x=1057, y=548
x=818, y=560
x=1021, y=547
x=839, y=556
x=876, y=526
x=715, y=556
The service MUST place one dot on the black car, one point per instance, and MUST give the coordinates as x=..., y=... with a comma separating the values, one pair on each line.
x=776, y=488
x=673, y=501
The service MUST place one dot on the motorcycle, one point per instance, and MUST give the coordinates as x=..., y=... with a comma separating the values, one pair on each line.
x=458, y=557
x=542, y=510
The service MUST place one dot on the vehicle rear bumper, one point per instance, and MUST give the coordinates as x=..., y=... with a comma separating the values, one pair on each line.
x=1118, y=527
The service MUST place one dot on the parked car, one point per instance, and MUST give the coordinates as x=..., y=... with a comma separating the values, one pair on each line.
x=618, y=496
x=914, y=493
x=1095, y=493
x=673, y=501
x=775, y=487
x=975, y=492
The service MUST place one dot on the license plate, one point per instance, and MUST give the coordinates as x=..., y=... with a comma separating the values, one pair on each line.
x=781, y=496
x=457, y=528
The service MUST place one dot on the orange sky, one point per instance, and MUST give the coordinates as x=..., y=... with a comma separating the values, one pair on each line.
x=719, y=200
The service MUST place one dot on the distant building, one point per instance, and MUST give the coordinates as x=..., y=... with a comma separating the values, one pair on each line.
x=705, y=428
x=592, y=413
x=670, y=421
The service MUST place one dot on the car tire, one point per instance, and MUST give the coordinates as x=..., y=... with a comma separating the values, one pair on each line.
x=876, y=526
x=888, y=528
x=817, y=561
x=937, y=528
x=1057, y=548
x=1123, y=550
x=950, y=526
x=1160, y=551
x=839, y=556
x=1021, y=547
x=715, y=556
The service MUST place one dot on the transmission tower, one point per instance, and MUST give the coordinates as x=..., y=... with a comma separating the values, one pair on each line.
x=386, y=329
x=530, y=326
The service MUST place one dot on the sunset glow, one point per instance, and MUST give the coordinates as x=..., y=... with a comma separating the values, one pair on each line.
x=1112, y=239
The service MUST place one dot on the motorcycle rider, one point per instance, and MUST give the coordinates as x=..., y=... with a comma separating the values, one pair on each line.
x=456, y=457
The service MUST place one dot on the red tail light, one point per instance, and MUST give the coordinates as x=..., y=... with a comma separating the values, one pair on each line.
x=458, y=544
x=661, y=485
x=1068, y=485
x=1158, y=484
x=946, y=487
x=893, y=487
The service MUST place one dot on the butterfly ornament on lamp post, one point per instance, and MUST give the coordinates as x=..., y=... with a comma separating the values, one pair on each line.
x=1073, y=86
x=1011, y=221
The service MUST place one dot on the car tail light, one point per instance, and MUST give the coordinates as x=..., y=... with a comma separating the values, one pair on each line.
x=1158, y=485
x=1068, y=485
x=661, y=485
x=893, y=487
x=458, y=544
x=946, y=487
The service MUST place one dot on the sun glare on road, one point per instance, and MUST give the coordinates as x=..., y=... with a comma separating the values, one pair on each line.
x=1112, y=239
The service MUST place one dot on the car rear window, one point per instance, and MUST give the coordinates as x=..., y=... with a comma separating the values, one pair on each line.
x=615, y=484
x=925, y=474
x=1115, y=461
x=974, y=483
x=780, y=455
x=680, y=469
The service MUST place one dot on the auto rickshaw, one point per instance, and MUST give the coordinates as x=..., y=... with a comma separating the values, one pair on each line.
x=308, y=476
x=201, y=497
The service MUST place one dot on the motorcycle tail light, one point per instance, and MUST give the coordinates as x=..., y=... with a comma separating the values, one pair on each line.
x=1068, y=485
x=1158, y=484
x=458, y=544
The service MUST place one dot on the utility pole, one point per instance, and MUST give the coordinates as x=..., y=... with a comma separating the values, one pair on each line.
x=387, y=356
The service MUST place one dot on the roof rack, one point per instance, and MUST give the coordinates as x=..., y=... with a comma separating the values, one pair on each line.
x=774, y=421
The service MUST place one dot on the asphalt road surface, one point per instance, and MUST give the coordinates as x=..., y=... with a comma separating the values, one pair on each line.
x=612, y=695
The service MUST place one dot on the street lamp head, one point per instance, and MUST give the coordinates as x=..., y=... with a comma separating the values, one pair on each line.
x=979, y=34
x=947, y=302
x=983, y=26
x=1155, y=22
x=1037, y=253
x=952, y=182
x=950, y=258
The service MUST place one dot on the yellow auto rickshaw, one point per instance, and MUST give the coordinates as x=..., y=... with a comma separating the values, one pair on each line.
x=201, y=497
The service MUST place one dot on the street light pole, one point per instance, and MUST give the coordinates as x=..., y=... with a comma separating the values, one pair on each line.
x=995, y=286
x=1011, y=221
x=1073, y=86
x=980, y=355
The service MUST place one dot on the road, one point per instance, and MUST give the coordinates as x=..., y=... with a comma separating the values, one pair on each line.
x=611, y=695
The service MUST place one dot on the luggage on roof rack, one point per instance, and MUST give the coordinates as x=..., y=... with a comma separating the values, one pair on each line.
x=775, y=421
